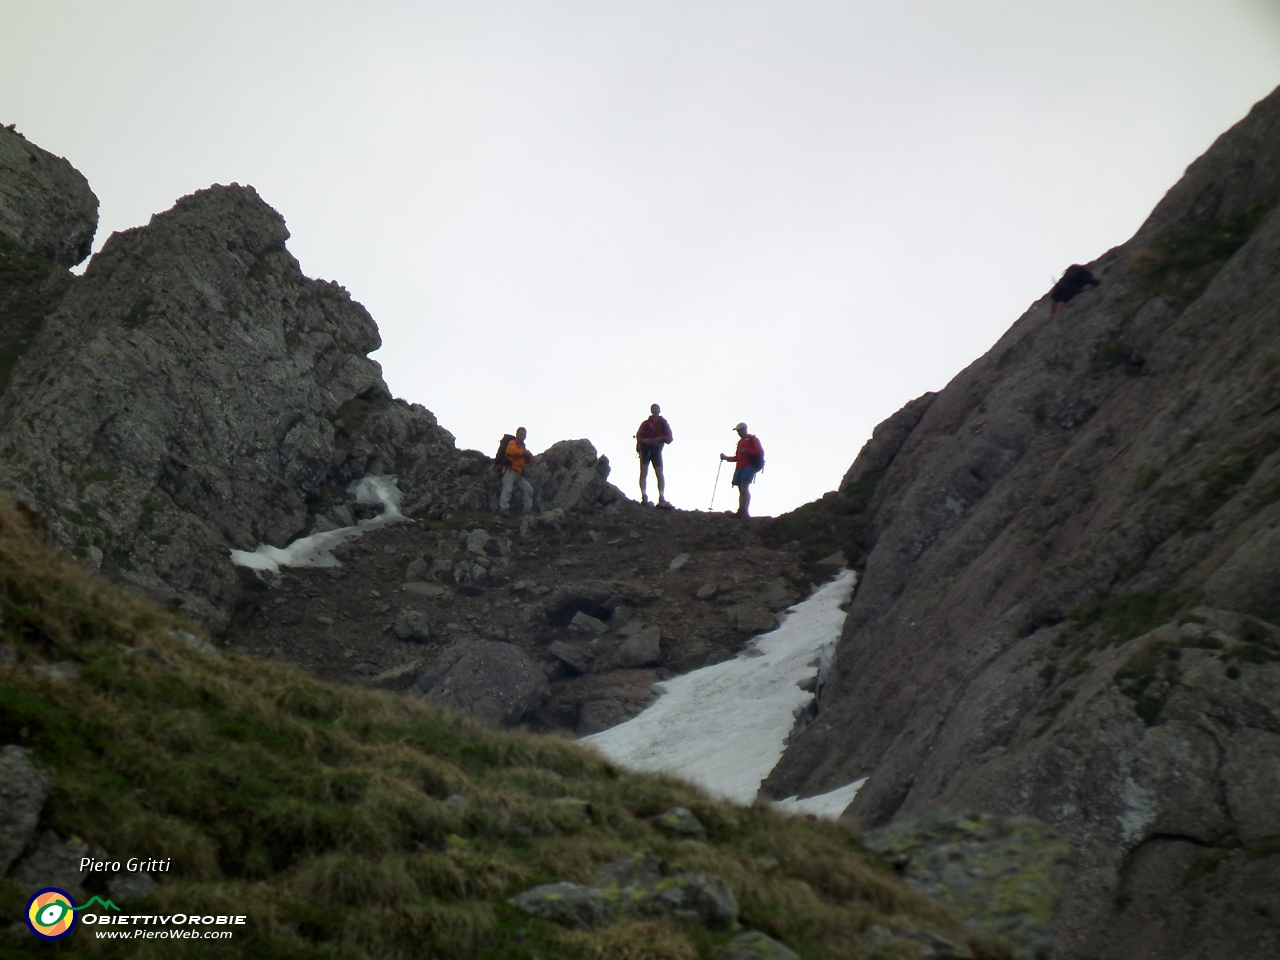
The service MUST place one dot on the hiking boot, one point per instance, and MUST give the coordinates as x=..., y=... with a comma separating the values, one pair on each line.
x=646, y=502
x=665, y=505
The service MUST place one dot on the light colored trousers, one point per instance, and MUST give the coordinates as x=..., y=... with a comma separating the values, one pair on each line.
x=510, y=479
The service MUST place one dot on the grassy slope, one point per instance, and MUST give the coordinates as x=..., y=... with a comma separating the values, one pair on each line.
x=323, y=813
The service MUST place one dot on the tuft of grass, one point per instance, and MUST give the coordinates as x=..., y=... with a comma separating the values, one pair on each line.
x=353, y=823
x=1125, y=617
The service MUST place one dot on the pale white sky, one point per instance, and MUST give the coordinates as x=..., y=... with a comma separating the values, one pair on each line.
x=798, y=214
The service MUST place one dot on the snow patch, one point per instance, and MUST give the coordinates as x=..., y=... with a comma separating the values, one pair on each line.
x=827, y=806
x=724, y=727
x=314, y=551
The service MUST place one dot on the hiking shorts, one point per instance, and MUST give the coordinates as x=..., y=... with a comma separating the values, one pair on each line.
x=651, y=455
x=744, y=475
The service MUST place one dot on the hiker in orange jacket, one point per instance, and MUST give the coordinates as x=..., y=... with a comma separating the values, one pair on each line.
x=650, y=438
x=518, y=457
x=750, y=460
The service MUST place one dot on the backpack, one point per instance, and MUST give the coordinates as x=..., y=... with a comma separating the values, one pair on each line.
x=500, y=461
x=757, y=459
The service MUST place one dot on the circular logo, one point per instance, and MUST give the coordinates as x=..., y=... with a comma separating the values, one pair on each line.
x=51, y=913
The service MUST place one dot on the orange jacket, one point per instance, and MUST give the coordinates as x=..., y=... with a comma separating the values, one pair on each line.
x=518, y=455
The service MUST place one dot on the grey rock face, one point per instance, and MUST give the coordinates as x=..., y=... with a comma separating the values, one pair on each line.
x=189, y=395
x=493, y=682
x=46, y=206
x=1089, y=480
x=23, y=789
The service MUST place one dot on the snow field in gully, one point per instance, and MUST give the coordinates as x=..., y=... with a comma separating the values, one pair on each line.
x=724, y=727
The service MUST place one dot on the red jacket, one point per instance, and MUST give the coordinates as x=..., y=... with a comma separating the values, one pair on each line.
x=653, y=432
x=747, y=446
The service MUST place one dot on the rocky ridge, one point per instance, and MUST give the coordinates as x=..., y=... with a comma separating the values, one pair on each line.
x=1070, y=586
x=194, y=393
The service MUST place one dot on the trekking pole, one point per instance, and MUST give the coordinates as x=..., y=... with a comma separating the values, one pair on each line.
x=714, y=488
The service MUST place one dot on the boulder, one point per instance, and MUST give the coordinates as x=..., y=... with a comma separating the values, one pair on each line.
x=587, y=625
x=54, y=862
x=568, y=904
x=776, y=595
x=641, y=650
x=681, y=821
x=632, y=887
x=412, y=625
x=570, y=474
x=751, y=618
x=575, y=657
x=46, y=206
x=700, y=896
x=23, y=789
x=495, y=683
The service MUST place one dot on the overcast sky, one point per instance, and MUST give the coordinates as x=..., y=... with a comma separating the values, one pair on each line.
x=797, y=214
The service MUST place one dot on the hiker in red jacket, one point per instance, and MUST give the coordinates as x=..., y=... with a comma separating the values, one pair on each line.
x=653, y=434
x=750, y=460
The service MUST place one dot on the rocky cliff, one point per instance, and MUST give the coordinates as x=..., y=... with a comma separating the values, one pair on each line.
x=193, y=392
x=1071, y=582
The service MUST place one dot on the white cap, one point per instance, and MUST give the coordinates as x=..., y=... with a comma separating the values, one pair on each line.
x=741, y=426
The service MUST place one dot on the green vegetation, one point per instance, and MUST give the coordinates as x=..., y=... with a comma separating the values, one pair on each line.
x=1123, y=618
x=1147, y=677
x=1182, y=263
x=348, y=823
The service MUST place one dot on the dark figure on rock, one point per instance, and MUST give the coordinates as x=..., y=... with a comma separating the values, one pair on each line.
x=652, y=436
x=1073, y=282
x=517, y=458
x=750, y=460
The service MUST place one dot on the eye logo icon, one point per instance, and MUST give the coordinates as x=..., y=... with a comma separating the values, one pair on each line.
x=51, y=913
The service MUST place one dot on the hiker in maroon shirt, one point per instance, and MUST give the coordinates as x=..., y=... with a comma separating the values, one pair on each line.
x=653, y=434
x=750, y=460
